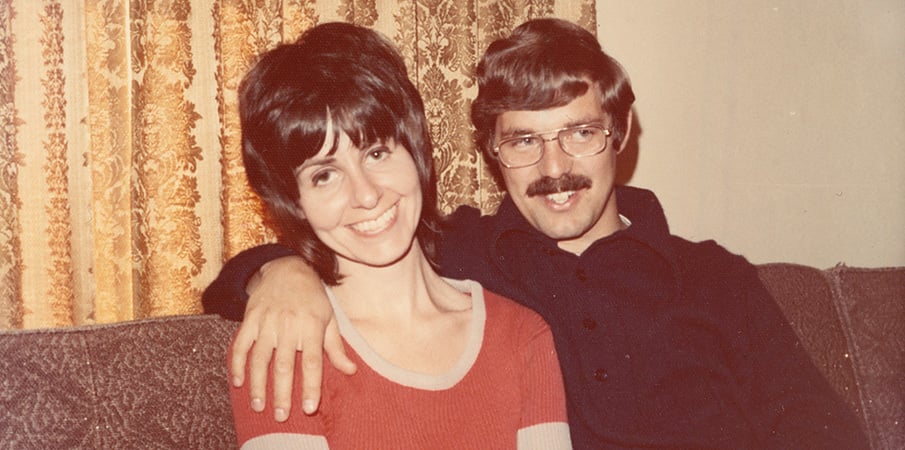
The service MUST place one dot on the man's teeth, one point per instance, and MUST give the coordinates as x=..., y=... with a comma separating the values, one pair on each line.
x=560, y=197
x=371, y=226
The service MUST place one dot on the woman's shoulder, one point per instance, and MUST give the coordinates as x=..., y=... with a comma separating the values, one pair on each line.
x=505, y=303
x=501, y=314
x=504, y=309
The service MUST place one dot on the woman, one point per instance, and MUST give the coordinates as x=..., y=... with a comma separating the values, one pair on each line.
x=336, y=143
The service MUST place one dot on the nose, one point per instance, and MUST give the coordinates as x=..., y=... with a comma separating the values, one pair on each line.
x=365, y=192
x=554, y=162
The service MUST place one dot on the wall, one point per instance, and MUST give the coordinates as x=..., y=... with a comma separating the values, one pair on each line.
x=776, y=128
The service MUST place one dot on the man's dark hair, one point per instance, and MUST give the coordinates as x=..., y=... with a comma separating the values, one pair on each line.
x=336, y=74
x=543, y=64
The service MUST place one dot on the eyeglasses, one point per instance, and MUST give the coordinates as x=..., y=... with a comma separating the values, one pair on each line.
x=578, y=141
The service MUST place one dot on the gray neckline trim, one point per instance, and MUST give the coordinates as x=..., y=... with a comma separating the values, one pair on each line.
x=414, y=379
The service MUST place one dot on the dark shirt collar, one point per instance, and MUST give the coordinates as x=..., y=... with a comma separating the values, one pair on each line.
x=639, y=206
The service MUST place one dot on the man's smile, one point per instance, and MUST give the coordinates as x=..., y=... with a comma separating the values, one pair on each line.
x=560, y=198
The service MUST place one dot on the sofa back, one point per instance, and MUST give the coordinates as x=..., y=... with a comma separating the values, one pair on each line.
x=852, y=323
x=148, y=384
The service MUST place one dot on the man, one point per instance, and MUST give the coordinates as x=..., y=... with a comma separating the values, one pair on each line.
x=662, y=342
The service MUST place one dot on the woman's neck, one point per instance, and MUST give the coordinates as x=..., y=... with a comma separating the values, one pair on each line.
x=399, y=292
x=406, y=312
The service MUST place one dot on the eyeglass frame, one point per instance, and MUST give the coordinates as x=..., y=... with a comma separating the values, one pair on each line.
x=606, y=131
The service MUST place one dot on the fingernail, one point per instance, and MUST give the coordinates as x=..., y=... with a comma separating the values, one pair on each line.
x=237, y=382
x=308, y=406
x=280, y=415
x=257, y=404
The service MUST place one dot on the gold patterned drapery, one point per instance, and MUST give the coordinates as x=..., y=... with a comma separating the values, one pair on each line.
x=121, y=185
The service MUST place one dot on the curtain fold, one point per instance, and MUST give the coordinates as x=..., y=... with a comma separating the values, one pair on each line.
x=122, y=190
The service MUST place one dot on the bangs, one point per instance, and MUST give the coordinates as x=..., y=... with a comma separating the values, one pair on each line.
x=305, y=123
x=366, y=123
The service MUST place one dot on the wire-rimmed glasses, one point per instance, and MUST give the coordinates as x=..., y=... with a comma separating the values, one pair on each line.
x=577, y=141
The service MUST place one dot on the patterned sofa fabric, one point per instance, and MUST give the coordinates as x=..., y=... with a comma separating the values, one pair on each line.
x=162, y=383
x=852, y=323
x=149, y=384
x=872, y=306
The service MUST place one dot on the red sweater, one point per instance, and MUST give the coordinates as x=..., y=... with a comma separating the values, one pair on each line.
x=505, y=391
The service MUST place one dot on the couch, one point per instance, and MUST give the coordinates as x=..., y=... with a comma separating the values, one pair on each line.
x=161, y=383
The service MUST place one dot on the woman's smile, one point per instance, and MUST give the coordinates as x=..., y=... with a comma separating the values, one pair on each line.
x=376, y=226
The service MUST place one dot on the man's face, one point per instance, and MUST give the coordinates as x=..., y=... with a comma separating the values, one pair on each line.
x=569, y=199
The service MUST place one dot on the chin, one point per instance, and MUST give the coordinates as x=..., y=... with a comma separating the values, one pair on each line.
x=558, y=228
x=386, y=256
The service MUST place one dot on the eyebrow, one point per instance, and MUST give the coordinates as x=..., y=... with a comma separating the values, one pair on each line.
x=511, y=132
x=330, y=159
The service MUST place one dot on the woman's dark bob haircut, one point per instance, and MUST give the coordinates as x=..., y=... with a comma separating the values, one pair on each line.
x=336, y=73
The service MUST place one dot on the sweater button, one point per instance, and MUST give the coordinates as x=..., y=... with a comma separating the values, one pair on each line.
x=581, y=275
x=601, y=375
x=589, y=324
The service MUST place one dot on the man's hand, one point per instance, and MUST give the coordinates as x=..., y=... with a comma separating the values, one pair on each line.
x=287, y=311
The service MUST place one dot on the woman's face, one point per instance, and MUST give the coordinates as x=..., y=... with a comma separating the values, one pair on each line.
x=364, y=204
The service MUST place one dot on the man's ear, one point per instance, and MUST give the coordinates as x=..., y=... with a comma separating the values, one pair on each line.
x=628, y=132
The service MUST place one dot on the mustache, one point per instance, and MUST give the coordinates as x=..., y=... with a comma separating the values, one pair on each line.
x=567, y=182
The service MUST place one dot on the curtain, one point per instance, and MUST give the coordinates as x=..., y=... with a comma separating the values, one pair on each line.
x=121, y=185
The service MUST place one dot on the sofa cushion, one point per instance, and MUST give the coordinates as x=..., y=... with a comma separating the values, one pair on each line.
x=116, y=386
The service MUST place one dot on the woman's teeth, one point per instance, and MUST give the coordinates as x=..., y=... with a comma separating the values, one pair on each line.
x=371, y=226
